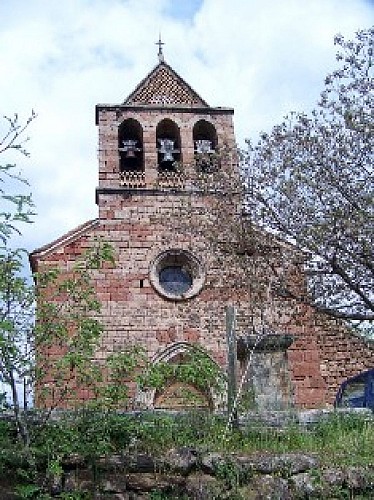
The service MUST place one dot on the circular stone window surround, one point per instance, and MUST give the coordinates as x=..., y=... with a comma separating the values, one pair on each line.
x=187, y=262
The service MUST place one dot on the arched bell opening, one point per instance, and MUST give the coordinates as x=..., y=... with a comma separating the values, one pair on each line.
x=205, y=144
x=130, y=146
x=168, y=146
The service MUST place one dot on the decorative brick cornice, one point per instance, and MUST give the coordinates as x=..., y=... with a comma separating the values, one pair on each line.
x=128, y=192
x=121, y=108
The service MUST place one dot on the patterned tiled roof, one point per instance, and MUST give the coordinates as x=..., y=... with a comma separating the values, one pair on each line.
x=163, y=86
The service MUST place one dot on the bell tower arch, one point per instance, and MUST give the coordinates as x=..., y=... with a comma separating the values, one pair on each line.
x=169, y=145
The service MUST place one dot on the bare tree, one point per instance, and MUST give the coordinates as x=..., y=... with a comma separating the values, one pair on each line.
x=310, y=183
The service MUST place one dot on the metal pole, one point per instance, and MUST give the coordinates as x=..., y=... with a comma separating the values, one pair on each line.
x=231, y=365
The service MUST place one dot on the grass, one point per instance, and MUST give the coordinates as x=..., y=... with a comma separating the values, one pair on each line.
x=338, y=440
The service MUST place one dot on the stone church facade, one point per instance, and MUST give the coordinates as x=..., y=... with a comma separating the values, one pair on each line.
x=169, y=288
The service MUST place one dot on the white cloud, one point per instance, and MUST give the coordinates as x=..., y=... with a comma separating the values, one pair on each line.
x=262, y=57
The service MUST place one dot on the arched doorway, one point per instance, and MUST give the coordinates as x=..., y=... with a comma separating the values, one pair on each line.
x=185, y=386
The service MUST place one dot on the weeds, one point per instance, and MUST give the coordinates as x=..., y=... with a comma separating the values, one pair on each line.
x=341, y=440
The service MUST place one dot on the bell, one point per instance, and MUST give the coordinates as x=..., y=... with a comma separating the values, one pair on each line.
x=130, y=153
x=129, y=148
x=168, y=156
x=167, y=149
x=203, y=147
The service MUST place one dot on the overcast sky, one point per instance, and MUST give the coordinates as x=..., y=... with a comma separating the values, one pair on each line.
x=264, y=58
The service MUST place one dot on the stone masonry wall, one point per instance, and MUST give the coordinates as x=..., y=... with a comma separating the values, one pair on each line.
x=343, y=353
x=140, y=224
x=321, y=356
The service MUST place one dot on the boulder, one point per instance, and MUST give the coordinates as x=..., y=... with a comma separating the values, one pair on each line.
x=180, y=460
x=266, y=487
x=286, y=463
x=203, y=487
x=147, y=482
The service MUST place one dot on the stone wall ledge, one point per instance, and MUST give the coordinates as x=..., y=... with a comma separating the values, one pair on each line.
x=259, y=420
x=187, y=473
x=304, y=418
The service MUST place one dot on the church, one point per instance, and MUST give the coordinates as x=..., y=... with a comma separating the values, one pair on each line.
x=162, y=155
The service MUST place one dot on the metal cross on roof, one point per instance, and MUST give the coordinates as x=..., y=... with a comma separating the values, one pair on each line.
x=160, y=53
